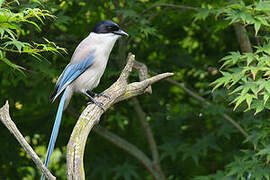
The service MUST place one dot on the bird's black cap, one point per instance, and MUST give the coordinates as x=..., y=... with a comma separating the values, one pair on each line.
x=108, y=27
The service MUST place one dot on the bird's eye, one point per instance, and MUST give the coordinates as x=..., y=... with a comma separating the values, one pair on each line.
x=113, y=28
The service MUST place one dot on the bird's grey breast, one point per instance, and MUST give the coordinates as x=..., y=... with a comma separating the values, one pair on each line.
x=83, y=51
x=100, y=49
x=91, y=77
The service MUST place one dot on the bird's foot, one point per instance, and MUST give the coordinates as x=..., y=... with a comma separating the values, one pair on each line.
x=99, y=104
x=101, y=95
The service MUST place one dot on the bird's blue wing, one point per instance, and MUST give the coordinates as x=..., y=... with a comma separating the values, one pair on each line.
x=70, y=74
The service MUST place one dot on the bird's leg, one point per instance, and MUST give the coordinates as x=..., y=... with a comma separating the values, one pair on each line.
x=99, y=95
x=99, y=104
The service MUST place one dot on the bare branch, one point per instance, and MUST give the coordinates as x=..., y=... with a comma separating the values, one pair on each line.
x=119, y=91
x=7, y=121
x=137, y=88
x=146, y=128
x=143, y=73
x=127, y=69
x=178, y=6
x=149, y=134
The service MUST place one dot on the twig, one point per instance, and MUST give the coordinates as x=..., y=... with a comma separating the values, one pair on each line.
x=7, y=121
x=146, y=128
x=149, y=135
x=25, y=51
x=119, y=91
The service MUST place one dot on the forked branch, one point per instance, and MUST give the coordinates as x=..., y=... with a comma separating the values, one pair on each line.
x=119, y=91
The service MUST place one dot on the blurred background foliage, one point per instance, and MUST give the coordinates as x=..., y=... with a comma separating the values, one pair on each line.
x=197, y=132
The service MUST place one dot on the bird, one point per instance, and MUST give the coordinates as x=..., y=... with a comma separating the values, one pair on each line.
x=84, y=72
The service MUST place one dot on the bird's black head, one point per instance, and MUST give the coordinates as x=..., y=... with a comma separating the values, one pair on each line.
x=108, y=27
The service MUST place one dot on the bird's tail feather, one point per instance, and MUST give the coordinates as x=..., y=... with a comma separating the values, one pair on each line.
x=55, y=130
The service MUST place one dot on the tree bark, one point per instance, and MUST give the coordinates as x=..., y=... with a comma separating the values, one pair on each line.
x=119, y=91
x=242, y=37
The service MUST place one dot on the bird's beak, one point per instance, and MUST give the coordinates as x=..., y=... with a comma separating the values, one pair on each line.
x=121, y=33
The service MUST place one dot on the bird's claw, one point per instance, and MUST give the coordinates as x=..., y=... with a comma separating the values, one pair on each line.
x=99, y=104
x=102, y=95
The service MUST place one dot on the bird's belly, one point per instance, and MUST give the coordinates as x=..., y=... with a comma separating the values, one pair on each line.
x=88, y=80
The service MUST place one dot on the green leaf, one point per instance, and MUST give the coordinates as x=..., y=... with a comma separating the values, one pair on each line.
x=35, y=24
x=18, y=44
x=249, y=98
x=266, y=96
x=168, y=150
x=265, y=151
x=236, y=76
x=238, y=100
x=250, y=57
x=254, y=71
x=262, y=6
x=265, y=48
x=257, y=27
x=148, y=31
x=239, y=88
x=267, y=86
x=202, y=14
x=227, y=77
x=10, y=33
x=232, y=59
x=258, y=105
x=125, y=171
x=8, y=62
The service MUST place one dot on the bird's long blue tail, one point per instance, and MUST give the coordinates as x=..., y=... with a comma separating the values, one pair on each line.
x=55, y=130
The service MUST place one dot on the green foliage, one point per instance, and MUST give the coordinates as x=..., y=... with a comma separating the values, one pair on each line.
x=125, y=171
x=246, y=76
x=196, y=139
x=219, y=175
x=248, y=163
x=12, y=22
x=255, y=14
